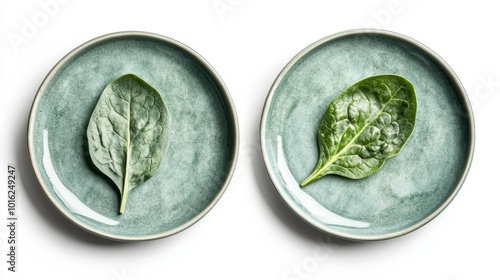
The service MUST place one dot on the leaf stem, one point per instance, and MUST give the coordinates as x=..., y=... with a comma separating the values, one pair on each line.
x=123, y=201
x=313, y=177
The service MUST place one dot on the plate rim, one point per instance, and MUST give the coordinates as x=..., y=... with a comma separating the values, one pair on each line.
x=430, y=54
x=225, y=96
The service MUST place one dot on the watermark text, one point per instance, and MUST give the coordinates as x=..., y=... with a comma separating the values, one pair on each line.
x=223, y=7
x=31, y=25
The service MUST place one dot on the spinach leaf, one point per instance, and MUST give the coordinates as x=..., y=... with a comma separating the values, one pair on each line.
x=128, y=133
x=368, y=123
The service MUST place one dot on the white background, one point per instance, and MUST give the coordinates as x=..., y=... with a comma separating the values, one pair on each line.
x=251, y=234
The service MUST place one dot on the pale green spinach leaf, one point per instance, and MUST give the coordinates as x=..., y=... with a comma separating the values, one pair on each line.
x=128, y=133
x=369, y=122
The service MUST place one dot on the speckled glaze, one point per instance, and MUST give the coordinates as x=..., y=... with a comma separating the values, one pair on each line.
x=203, y=147
x=411, y=188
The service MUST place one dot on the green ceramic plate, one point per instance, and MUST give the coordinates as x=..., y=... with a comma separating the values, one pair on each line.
x=202, y=152
x=411, y=188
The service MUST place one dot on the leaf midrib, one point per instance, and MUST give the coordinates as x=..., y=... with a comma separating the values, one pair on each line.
x=127, y=152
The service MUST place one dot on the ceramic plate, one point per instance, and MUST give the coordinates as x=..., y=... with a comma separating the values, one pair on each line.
x=202, y=152
x=412, y=187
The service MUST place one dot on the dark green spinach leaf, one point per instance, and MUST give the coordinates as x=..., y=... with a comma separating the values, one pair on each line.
x=368, y=123
x=128, y=133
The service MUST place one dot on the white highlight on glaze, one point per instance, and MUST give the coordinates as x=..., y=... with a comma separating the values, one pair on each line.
x=69, y=199
x=309, y=203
